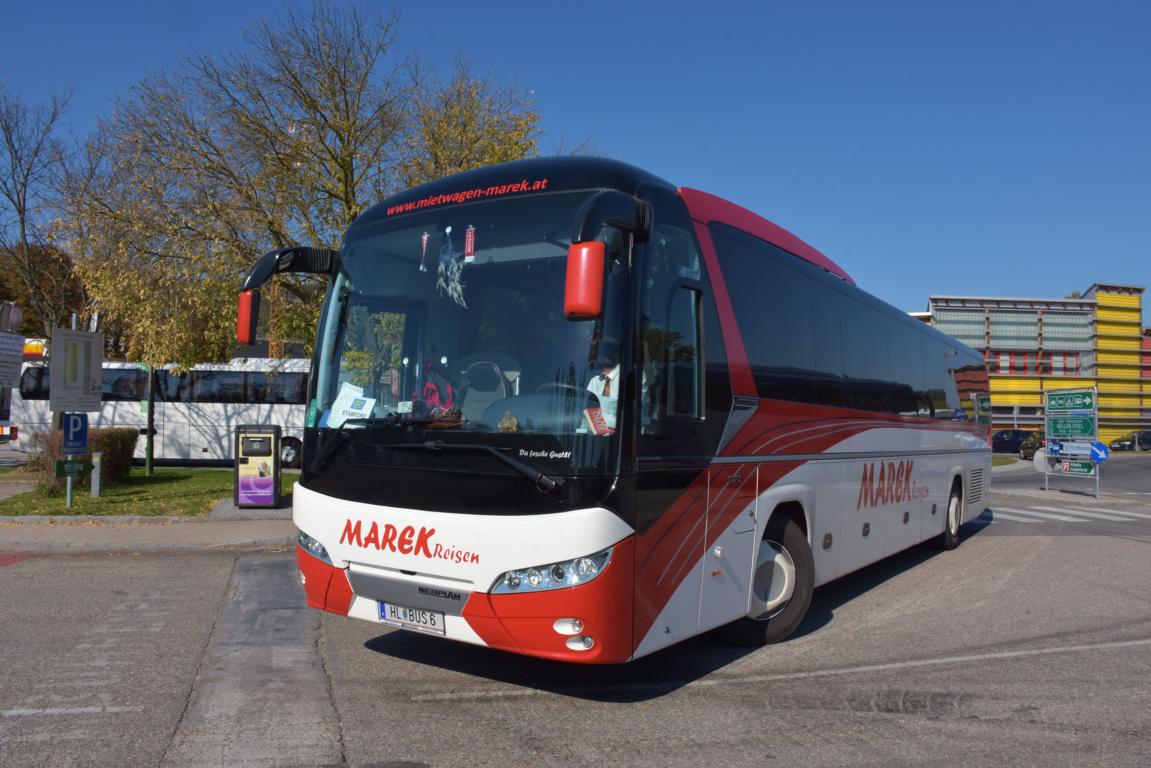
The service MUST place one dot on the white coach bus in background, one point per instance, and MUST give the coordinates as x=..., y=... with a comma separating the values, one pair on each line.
x=197, y=411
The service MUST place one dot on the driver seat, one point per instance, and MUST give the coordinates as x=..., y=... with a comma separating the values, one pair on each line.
x=484, y=384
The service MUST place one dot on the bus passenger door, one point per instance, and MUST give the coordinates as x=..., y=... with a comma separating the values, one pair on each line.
x=729, y=558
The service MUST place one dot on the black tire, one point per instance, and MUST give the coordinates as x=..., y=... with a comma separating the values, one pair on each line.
x=786, y=535
x=949, y=539
x=291, y=453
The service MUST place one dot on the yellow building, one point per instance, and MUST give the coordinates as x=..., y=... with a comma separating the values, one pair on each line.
x=1033, y=345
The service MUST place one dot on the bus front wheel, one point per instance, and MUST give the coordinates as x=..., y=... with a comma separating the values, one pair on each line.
x=290, y=453
x=781, y=587
x=949, y=539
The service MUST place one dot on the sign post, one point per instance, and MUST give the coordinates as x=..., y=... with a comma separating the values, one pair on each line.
x=1072, y=428
x=75, y=390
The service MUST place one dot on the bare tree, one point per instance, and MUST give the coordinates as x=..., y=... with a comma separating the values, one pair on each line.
x=30, y=157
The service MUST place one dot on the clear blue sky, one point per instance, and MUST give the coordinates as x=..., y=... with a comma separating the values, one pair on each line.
x=978, y=147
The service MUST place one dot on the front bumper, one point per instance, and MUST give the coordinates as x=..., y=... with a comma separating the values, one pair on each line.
x=531, y=623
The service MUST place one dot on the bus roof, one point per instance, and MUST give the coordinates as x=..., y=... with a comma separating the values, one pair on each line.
x=543, y=174
x=568, y=173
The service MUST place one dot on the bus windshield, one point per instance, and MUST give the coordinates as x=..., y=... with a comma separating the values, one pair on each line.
x=448, y=325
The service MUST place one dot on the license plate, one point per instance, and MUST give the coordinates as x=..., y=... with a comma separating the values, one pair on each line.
x=418, y=619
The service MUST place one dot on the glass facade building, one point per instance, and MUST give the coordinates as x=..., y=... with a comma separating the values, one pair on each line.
x=1034, y=345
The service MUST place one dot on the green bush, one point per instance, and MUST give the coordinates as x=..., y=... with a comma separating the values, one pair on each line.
x=117, y=445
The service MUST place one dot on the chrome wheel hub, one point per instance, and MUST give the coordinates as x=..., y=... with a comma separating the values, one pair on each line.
x=774, y=581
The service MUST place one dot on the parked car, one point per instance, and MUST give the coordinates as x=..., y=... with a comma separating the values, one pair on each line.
x=1008, y=440
x=1031, y=444
x=1133, y=441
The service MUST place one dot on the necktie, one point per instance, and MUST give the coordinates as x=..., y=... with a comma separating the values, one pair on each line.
x=606, y=385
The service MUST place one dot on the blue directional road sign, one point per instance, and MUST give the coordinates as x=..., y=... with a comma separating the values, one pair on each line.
x=1054, y=447
x=1099, y=453
x=75, y=433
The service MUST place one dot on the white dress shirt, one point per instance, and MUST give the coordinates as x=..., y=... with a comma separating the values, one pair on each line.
x=609, y=403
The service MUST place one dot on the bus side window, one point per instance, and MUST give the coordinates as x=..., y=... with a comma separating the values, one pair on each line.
x=218, y=386
x=123, y=384
x=277, y=388
x=685, y=386
x=173, y=387
x=671, y=364
x=681, y=354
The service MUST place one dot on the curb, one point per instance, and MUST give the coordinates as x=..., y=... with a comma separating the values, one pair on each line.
x=1018, y=466
x=127, y=519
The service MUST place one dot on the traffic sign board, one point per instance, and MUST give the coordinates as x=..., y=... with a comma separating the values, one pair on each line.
x=75, y=427
x=72, y=468
x=1074, y=449
x=1071, y=426
x=11, y=356
x=1099, y=453
x=1071, y=400
x=75, y=371
x=1078, y=467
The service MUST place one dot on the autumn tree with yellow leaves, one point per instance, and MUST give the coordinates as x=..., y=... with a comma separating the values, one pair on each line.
x=204, y=169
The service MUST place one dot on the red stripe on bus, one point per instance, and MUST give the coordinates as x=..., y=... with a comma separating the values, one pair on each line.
x=742, y=382
x=667, y=552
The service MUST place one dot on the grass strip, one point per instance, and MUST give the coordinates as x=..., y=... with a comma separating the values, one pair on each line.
x=171, y=491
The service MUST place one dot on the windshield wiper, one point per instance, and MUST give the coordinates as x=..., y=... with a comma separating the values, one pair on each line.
x=387, y=420
x=545, y=483
x=339, y=436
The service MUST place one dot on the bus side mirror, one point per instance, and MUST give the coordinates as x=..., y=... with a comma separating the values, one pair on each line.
x=297, y=259
x=583, y=290
x=248, y=316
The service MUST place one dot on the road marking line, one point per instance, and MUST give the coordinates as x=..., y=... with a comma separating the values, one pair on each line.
x=1141, y=515
x=786, y=676
x=65, y=711
x=1084, y=512
x=997, y=515
x=1045, y=515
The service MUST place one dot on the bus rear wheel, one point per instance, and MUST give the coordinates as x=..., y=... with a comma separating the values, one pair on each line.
x=781, y=588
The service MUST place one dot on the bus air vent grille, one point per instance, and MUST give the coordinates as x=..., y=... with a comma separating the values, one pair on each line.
x=975, y=491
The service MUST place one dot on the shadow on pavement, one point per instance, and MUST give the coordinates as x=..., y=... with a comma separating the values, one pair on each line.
x=649, y=678
x=652, y=676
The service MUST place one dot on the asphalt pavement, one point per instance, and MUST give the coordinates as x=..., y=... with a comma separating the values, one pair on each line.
x=186, y=642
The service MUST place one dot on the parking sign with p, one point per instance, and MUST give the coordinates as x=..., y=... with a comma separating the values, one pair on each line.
x=75, y=433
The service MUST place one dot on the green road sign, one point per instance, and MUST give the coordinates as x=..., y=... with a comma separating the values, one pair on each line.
x=1071, y=400
x=1070, y=427
x=1070, y=467
x=72, y=468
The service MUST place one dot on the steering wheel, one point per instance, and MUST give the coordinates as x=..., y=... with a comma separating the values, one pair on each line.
x=558, y=387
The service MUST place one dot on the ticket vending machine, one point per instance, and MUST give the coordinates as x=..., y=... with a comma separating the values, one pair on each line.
x=257, y=466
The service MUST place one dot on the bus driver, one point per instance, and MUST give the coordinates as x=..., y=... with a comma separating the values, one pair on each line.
x=605, y=384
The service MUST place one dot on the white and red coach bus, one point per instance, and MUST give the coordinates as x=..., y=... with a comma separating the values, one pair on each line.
x=563, y=408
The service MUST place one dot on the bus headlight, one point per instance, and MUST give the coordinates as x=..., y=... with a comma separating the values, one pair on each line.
x=566, y=573
x=313, y=547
